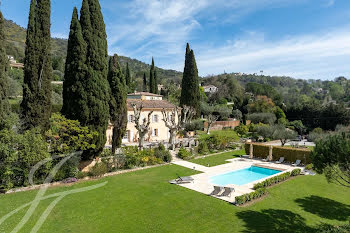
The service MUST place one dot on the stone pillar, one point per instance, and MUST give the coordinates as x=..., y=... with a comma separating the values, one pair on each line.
x=270, y=154
x=251, y=151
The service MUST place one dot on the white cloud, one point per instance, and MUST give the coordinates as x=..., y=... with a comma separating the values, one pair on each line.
x=322, y=55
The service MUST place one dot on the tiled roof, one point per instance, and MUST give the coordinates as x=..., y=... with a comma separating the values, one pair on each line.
x=150, y=104
x=144, y=94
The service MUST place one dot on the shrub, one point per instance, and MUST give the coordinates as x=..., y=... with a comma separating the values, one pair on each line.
x=81, y=175
x=240, y=200
x=289, y=154
x=266, y=118
x=309, y=166
x=242, y=129
x=295, y=172
x=195, y=125
x=184, y=154
x=273, y=180
x=161, y=153
x=99, y=169
x=203, y=147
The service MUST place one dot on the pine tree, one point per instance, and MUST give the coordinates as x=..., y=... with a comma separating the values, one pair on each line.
x=190, y=95
x=144, y=87
x=127, y=75
x=96, y=96
x=36, y=103
x=4, y=104
x=74, y=76
x=117, y=105
x=151, y=77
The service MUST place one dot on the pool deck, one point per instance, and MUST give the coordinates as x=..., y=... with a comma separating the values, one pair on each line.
x=202, y=181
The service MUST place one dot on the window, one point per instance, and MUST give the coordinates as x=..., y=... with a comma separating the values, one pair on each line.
x=155, y=118
x=131, y=118
x=155, y=132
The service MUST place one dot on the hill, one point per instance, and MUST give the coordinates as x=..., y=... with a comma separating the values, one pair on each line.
x=15, y=46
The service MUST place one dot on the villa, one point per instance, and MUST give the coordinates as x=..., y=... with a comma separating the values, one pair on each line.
x=150, y=102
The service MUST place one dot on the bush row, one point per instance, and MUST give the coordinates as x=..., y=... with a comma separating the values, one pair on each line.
x=240, y=200
x=216, y=143
x=289, y=154
x=277, y=179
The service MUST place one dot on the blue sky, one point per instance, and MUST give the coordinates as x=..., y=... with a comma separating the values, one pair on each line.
x=298, y=38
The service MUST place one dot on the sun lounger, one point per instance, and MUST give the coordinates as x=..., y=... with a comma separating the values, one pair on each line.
x=297, y=163
x=217, y=190
x=281, y=160
x=182, y=180
x=227, y=192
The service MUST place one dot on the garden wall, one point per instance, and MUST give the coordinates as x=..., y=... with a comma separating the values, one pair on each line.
x=289, y=154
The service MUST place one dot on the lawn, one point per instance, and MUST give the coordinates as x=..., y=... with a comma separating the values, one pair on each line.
x=227, y=133
x=144, y=201
x=218, y=159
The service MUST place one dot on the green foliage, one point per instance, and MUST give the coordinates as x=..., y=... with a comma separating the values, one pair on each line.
x=184, y=154
x=240, y=200
x=277, y=132
x=117, y=105
x=18, y=154
x=276, y=179
x=326, y=228
x=237, y=114
x=203, y=148
x=309, y=166
x=99, y=169
x=4, y=86
x=153, y=79
x=280, y=113
x=190, y=94
x=36, y=103
x=242, y=129
x=194, y=125
x=264, y=89
x=290, y=154
x=127, y=75
x=331, y=156
x=161, y=153
x=265, y=118
x=219, y=142
x=295, y=172
x=67, y=136
x=298, y=126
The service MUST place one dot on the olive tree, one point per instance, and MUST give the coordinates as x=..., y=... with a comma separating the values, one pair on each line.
x=331, y=156
x=141, y=127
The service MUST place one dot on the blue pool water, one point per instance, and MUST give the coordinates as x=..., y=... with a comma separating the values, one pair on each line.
x=243, y=176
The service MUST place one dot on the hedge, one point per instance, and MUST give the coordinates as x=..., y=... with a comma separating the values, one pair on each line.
x=240, y=200
x=277, y=179
x=290, y=154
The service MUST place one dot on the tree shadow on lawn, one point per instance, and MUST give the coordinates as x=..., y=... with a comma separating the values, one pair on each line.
x=274, y=220
x=325, y=208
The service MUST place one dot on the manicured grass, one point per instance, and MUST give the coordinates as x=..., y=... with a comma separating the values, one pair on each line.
x=214, y=160
x=144, y=201
x=227, y=133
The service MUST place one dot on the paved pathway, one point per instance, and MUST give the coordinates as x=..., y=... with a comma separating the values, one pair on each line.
x=190, y=165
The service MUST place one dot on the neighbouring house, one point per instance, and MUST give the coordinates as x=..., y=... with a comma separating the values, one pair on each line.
x=151, y=102
x=14, y=64
x=210, y=89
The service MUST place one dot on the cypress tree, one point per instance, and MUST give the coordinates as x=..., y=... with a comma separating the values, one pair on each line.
x=144, y=88
x=75, y=69
x=190, y=94
x=155, y=82
x=96, y=97
x=151, y=77
x=4, y=104
x=127, y=75
x=117, y=105
x=36, y=103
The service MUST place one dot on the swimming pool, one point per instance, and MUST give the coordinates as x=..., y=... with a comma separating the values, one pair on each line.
x=243, y=176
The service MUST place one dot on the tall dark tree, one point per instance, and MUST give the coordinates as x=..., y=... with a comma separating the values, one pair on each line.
x=155, y=82
x=96, y=96
x=36, y=103
x=144, y=87
x=127, y=75
x=151, y=77
x=75, y=70
x=190, y=93
x=4, y=104
x=117, y=105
